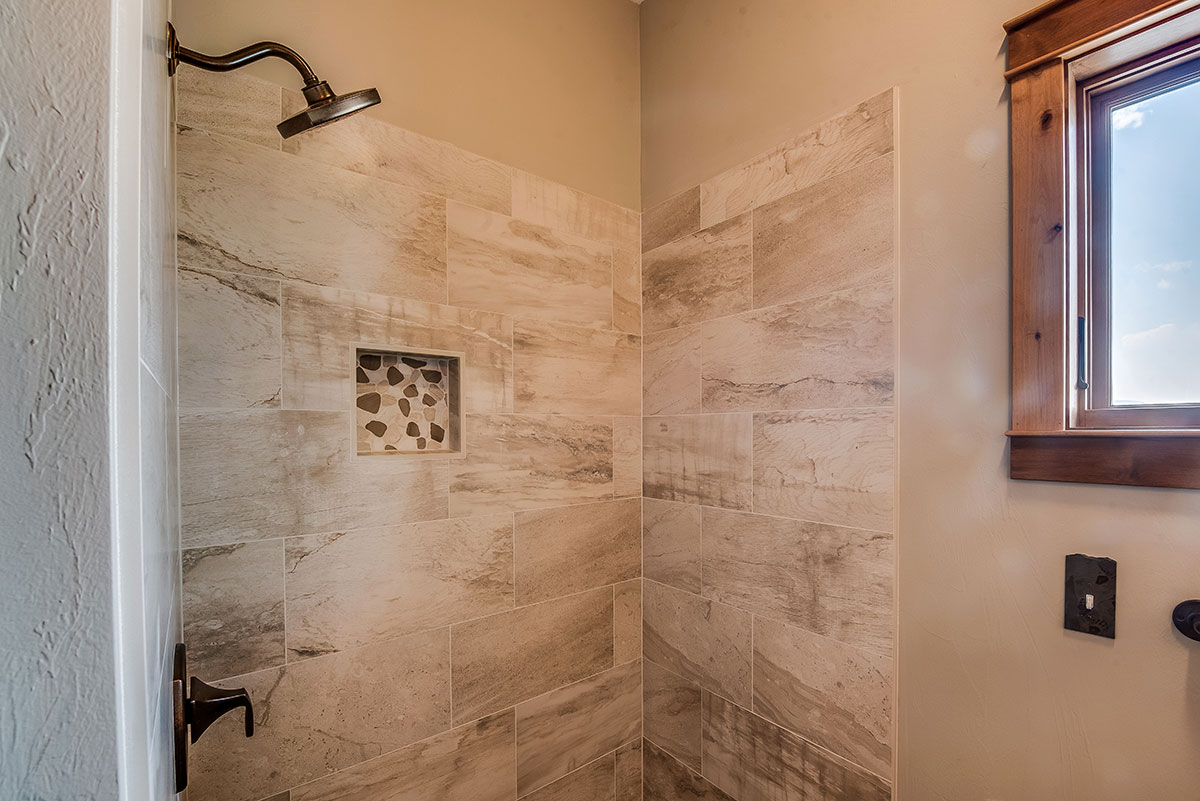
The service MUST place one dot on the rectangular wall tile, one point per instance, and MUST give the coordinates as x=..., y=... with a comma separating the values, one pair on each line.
x=557, y=206
x=501, y=264
x=851, y=138
x=672, y=709
x=563, y=369
x=532, y=461
x=458, y=765
x=826, y=466
x=671, y=544
x=668, y=780
x=321, y=715
x=571, y=726
x=627, y=621
x=247, y=209
x=629, y=771
x=321, y=327
x=671, y=371
x=834, y=351
x=700, y=277
x=702, y=459
x=237, y=364
x=512, y=656
x=627, y=457
x=233, y=608
x=569, y=549
x=698, y=639
x=233, y=105
x=252, y=475
x=753, y=760
x=627, y=289
x=828, y=579
x=674, y=218
x=346, y=590
x=595, y=781
x=834, y=695
x=837, y=234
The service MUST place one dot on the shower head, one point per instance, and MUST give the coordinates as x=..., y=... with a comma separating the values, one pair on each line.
x=324, y=105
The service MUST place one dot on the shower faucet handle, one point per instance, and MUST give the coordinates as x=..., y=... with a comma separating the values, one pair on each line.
x=207, y=703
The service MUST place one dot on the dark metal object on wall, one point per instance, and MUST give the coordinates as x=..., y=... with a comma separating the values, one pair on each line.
x=197, y=708
x=1090, y=595
x=1186, y=617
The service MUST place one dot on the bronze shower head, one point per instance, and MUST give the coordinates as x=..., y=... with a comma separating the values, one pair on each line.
x=324, y=105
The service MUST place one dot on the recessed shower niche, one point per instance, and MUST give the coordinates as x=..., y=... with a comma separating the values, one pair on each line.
x=407, y=401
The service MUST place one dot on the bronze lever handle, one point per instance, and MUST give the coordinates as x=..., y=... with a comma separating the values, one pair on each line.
x=207, y=703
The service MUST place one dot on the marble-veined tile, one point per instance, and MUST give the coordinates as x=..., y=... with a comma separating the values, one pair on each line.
x=233, y=608
x=831, y=466
x=831, y=693
x=555, y=205
x=703, y=458
x=321, y=326
x=671, y=543
x=561, y=730
x=674, y=218
x=234, y=364
x=671, y=371
x=844, y=141
x=627, y=457
x=672, y=709
x=831, y=580
x=564, y=369
x=669, y=780
x=234, y=105
x=520, y=462
x=837, y=234
x=246, y=209
x=752, y=759
x=627, y=289
x=697, y=638
x=829, y=352
x=317, y=716
x=569, y=549
x=503, y=659
x=346, y=590
x=629, y=771
x=458, y=765
x=261, y=474
x=627, y=621
x=512, y=266
x=699, y=277
x=595, y=781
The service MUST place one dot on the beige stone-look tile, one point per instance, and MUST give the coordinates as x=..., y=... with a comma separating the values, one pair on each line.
x=518, y=462
x=564, y=369
x=595, y=781
x=752, y=759
x=834, y=695
x=254, y=475
x=699, y=277
x=230, y=104
x=831, y=580
x=369, y=146
x=671, y=543
x=509, y=657
x=702, y=459
x=569, y=727
x=834, y=351
x=627, y=457
x=854, y=137
x=627, y=621
x=671, y=371
x=508, y=265
x=569, y=549
x=834, y=235
x=554, y=205
x=458, y=765
x=246, y=209
x=833, y=466
x=674, y=218
x=318, y=716
x=234, y=364
x=321, y=326
x=629, y=771
x=346, y=590
x=672, y=709
x=698, y=639
x=233, y=608
x=668, y=780
x=627, y=289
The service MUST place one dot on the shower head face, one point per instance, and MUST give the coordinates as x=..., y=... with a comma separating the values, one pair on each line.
x=325, y=107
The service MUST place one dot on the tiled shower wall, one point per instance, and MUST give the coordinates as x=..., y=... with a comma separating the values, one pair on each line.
x=413, y=626
x=769, y=442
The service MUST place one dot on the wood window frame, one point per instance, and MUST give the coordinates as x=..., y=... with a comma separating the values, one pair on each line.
x=1057, y=51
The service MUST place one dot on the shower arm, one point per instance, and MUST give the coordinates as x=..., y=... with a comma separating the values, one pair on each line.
x=177, y=53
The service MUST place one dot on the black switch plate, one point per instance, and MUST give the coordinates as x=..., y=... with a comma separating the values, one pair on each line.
x=1095, y=576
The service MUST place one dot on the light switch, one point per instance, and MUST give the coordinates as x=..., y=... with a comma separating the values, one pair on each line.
x=1090, y=595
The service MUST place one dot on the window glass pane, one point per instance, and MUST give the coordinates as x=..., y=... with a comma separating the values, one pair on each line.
x=1156, y=249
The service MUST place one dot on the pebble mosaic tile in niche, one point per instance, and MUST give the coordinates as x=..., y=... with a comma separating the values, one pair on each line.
x=406, y=402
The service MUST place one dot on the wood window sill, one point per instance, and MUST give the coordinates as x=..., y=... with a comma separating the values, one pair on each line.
x=1130, y=457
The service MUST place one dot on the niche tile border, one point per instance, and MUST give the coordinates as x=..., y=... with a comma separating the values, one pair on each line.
x=407, y=401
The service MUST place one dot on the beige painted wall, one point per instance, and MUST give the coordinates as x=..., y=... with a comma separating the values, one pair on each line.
x=996, y=700
x=545, y=85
